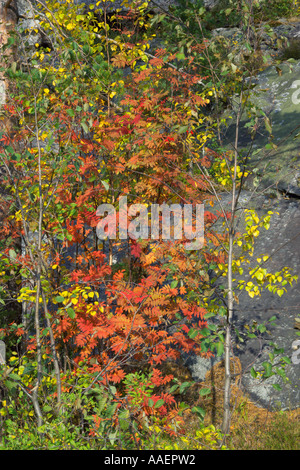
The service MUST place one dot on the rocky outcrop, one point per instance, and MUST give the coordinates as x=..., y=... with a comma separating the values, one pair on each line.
x=277, y=93
x=282, y=243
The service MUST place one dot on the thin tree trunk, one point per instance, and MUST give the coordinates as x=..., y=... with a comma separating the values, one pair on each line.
x=230, y=296
x=35, y=391
x=53, y=349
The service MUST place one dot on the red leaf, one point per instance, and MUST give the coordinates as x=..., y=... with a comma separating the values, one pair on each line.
x=136, y=250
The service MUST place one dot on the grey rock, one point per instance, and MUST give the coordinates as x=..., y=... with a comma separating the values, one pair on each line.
x=199, y=366
x=28, y=22
x=227, y=32
x=211, y=4
x=282, y=243
x=277, y=92
x=291, y=188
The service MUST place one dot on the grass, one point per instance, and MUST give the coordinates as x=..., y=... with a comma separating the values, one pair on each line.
x=277, y=431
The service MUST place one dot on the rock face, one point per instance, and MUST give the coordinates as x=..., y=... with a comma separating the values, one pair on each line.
x=279, y=96
x=277, y=93
x=276, y=178
x=284, y=37
x=283, y=241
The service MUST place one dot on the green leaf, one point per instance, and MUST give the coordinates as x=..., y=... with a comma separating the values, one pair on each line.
x=112, y=437
x=182, y=129
x=10, y=385
x=184, y=385
x=212, y=327
x=273, y=318
x=150, y=402
x=71, y=313
x=253, y=373
x=199, y=411
x=220, y=348
x=9, y=149
x=209, y=315
x=193, y=333
x=205, y=332
x=261, y=328
x=173, y=388
x=204, y=391
x=159, y=403
x=268, y=369
x=205, y=345
x=84, y=127
x=14, y=376
x=47, y=408
x=276, y=386
x=124, y=423
x=59, y=298
x=112, y=389
x=111, y=410
x=102, y=403
x=268, y=125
